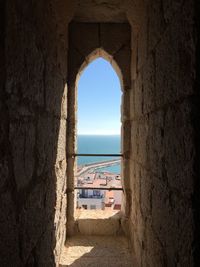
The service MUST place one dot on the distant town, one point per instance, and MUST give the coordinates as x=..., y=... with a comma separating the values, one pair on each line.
x=98, y=189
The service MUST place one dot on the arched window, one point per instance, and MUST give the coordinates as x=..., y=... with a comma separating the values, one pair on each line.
x=74, y=187
x=99, y=137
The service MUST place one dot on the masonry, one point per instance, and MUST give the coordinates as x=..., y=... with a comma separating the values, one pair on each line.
x=112, y=42
x=155, y=47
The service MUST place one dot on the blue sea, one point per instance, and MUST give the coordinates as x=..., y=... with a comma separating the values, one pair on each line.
x=102, y=144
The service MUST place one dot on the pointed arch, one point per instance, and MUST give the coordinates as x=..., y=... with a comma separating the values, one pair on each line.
x=97, y=53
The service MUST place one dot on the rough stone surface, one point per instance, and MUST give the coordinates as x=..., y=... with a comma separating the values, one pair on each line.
x=162, y=136
x=98, y=223
x=195, y=112
x=100, y=11
x=159, y=67
x=97, y=251
x=33, y=133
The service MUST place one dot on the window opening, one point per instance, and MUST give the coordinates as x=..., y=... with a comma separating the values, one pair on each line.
x=98, y=175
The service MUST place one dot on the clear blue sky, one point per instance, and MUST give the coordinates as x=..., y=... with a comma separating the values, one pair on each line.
x=99, y=99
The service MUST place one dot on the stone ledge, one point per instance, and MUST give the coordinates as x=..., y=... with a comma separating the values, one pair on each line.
x=101, y=222
x=97, y=214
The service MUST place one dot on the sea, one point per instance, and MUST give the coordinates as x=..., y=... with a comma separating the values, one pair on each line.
x=99, y=144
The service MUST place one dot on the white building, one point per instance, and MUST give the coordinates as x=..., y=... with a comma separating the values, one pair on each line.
x=91, y=199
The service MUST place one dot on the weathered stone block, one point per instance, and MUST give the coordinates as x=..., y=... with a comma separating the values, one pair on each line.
x=146, y=193
x=179, y=147
x=156, y=22
x=137, y=248
x=25, y=64
x=161, y=209
x=134, y=55
x=123, y=59
x=170, y=8
x=143, y=129
x=125, y=107
x=60, y=172
x=125, y=173
x=9, y=251
x=175, y=60
x=22, y=138
x=155, y=143
x=132, y=100
x=126, y=141
x=4, y=172
x=139, y=222
x=75, y=60
x=44, y=253
x=47, y=142
x=63, y=112
x=138, y=93
x=54, y=89
x=142, y=47
x=148, y=81
x=155, y=254
x=134, y=140
x=98, y=223
x=84, y=37
x=172, y=224
x=113, y=36
x=135, y=176
x=61, y=143
x=32, y=227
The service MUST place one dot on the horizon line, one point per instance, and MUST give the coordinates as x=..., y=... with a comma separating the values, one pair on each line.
x=97, y=134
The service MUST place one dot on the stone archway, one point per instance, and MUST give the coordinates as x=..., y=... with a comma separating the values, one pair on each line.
x=117, y=52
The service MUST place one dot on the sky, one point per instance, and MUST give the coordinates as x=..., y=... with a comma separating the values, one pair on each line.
x=99, y=100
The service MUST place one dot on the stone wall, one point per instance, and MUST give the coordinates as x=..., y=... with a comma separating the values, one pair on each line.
x=196, y=120
x=159, y=114
x=162, y=134
x=33, y=132
x=8, y=221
